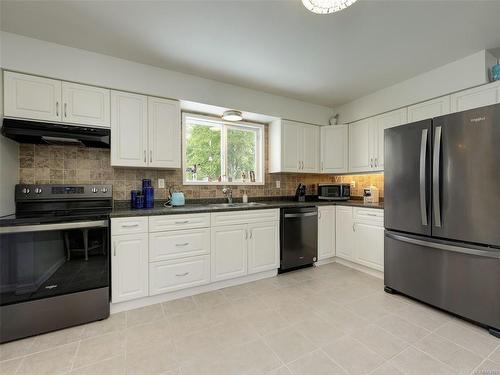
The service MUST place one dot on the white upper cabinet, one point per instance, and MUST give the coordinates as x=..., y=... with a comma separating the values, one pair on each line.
x=326, y=232
x=294, y=147
x=476, y=97
x=164, y=127
x=44, y=99
x=382, y=122
x=32, y=97
x=366, y=140
x=334, y=149
x=86, y=105
x=360, y=145
x=429, y=109
x=129, y=129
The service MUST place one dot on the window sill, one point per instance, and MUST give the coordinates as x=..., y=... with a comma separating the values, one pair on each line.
x=191, y=183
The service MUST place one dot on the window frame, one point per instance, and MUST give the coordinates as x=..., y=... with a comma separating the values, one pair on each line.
x=259, y=150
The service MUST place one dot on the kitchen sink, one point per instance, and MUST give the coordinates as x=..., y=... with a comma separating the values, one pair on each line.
x=236, y=205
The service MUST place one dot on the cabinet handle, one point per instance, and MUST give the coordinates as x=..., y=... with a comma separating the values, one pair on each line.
x=182, y=222
x=182, y=244
x=322, y=166
x=182, y=274
x=57, y=108
x=114, y=248
x=371, y=162
x=150, y=156
x=144, y=156
x=371, y=214
x=376, y=162
x=251, y=233
x=65, y=109
x=129, y=225
x=354, y=227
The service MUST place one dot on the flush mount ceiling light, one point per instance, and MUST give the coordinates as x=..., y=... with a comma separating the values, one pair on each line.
x=326, y=6
x=232, y=115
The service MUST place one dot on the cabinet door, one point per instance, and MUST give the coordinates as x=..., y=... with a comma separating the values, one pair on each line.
x=326, y=232
x=263, y=247
x=344, y=239
x=382, y=122
x=86, y=105
x=32, y=97
x=429, y=109
x=369, y=244
x=360, y=145
x=291, y=146
x=129, y=129
x=334, y=144
x=229, y=252
x=310, y=149
x=476, y=97
x=129, y=267
x=164, y=127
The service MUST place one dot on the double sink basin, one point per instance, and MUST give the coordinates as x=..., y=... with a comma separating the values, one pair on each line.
x=236, y=205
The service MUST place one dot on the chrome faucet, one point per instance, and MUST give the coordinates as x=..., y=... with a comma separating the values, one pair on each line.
x=228, y=193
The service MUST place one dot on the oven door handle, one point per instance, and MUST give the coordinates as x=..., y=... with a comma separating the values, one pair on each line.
x=56, y=226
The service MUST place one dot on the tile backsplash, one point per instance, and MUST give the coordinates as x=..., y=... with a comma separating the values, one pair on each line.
x=46, y=164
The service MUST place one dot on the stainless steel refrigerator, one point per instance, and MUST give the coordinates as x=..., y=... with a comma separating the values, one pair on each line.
x=442, y=213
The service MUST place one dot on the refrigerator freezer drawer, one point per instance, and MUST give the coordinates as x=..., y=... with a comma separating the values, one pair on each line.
x=464, y=281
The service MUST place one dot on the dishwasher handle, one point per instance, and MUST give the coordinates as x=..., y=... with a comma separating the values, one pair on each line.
x=304, y=214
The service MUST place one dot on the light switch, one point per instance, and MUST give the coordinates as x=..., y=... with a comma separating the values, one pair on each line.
x=278, y=184
x=161, y=183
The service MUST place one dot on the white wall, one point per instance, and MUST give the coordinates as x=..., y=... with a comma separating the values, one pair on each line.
x=53, y=60
x=459, y=75
x=9, y=167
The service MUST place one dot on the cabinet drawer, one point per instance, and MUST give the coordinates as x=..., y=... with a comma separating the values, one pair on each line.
x=175, y=222
x=178, y=244
x=177, y=274
x=244, y=217
x=129, y=225
x=374, y=215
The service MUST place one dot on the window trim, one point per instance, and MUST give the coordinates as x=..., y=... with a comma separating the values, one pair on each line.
x=260, y=150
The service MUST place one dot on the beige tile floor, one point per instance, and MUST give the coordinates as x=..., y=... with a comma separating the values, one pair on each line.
x=323, y=320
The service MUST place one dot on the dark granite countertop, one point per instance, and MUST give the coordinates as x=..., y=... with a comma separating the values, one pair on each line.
x=208, y=208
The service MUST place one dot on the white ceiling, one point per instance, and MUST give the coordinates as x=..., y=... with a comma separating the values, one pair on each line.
x=273, y=46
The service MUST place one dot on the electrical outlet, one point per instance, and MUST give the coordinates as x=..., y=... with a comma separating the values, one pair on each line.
x=161, y=183
x=278, y=184
x=353, y=184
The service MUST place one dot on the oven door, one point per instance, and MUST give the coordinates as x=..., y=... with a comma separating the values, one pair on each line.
x=330, y=192
x=47, y=260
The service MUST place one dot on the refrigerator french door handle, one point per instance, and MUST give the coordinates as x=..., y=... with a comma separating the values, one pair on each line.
x=423, y=169
x=442, y=246
x=436, y=170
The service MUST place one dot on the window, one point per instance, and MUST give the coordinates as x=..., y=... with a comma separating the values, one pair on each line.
x=217, y=152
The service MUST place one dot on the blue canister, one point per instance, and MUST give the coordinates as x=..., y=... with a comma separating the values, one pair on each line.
x=495, y=72
x=139, y=201
x=146, y=182
x=133, y=197
x=149, y=196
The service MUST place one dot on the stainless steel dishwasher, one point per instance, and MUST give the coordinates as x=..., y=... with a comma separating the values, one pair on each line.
x=299, y=237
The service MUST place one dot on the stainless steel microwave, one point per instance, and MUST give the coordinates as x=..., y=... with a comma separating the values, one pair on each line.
x=334, y=192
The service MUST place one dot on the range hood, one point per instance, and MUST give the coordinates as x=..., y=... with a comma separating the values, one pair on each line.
x=25, y=131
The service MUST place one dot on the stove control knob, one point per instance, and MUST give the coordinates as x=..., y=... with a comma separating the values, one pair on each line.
x=104, y=190
x=38, y=190
x=94, y=190
x=26, y=190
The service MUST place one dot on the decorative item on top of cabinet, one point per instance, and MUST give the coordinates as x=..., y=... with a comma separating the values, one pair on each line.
x=293, y=147
x=145, y=131
x=326, y=232
x=51, y=100
x=334, y=141
x=476, y=97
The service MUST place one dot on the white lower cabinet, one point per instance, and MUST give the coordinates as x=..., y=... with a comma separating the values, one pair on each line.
x=229, y=252
x=344, y=239
x=369, y=245
x=263, y=247
x=177, y=274
x=326, y=232
x=129, y=267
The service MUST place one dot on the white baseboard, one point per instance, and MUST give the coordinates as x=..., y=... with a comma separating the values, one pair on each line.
x=325, y=261
x=359, y=267
x=152, y=300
